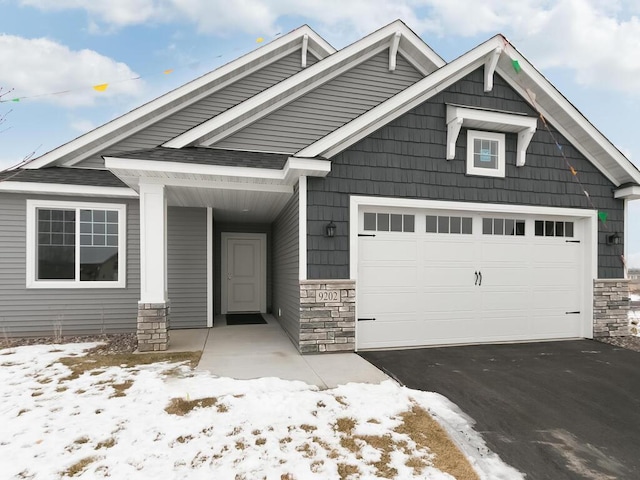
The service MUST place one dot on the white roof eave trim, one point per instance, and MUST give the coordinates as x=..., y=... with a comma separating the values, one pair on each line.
x=628, y=193
x=317, y=45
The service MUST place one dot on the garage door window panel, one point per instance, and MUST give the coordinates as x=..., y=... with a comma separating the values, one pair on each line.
x=388, y=222
x=503, y=226
x=447, y=224
x=550, y=228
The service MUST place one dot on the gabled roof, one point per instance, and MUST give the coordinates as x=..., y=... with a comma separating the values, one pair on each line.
x=139, y=118
x=527, y=81
x=396, y=37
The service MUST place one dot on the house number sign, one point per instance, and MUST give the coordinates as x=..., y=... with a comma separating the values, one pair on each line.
x=327, y=296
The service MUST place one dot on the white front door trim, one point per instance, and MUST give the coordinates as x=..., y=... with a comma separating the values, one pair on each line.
x=224, y=237
x=590, y=238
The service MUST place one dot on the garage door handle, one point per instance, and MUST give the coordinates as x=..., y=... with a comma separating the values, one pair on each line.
x=571, y=313
x=480, y=283
x=366, y=319
x=476, y=278
x=366, y=234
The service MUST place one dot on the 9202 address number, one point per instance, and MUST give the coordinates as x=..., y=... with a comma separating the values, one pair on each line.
x=327, y=296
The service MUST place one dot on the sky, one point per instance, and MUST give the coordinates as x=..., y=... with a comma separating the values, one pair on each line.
x=100, y=423
x=589, y=49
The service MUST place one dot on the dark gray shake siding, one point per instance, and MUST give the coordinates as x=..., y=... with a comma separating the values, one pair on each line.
x=218, y=228
x=406, y=158
x=187, y=266
x=286, y=286
x=33, y=312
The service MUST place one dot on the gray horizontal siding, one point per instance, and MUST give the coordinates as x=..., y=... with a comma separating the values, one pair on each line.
x=34, y=312
x=187, y=266
x=206, y=108
x=286, y=286
x=406, y=158
x=218, y=228
x=326, y=108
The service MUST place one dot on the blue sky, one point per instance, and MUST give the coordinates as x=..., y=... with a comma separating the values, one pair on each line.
x=587, y=48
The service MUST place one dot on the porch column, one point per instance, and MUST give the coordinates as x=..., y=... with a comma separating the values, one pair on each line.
x=153, y=307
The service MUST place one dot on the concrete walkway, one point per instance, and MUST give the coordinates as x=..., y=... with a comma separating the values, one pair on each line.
x=255, y=351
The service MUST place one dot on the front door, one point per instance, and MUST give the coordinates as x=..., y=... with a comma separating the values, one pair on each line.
x=244, y=272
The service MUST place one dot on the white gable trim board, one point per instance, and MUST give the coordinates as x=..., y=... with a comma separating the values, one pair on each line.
x=249, y=111
x=436, y=288
x=181, y=97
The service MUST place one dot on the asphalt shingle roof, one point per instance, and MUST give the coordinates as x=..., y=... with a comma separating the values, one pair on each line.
x=209, y=156
x=63, y=175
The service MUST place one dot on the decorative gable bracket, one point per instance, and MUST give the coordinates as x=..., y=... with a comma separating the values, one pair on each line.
x=490, y=64
x=305, y=48
x=393, y=50
x=489, y=120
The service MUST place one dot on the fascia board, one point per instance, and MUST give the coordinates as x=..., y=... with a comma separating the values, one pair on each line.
x=284, y=43
x=127, y=164
x=261, y=104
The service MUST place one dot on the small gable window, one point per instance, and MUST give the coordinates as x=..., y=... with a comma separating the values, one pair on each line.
x=485, y=153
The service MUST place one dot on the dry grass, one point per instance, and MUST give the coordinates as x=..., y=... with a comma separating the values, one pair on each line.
x=92, y=363
x=79, y=467
x=427, y=433
x=181, y=406
x=121, y=388
x=108, y=443
x=418, y=425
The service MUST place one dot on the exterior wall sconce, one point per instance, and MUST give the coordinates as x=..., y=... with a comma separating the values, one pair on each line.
x=613, y=239
x=330, y=229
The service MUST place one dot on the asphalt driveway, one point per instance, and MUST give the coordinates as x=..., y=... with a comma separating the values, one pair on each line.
x=553, y=410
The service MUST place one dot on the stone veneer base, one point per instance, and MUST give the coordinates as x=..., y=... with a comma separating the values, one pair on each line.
x=327, y=326
x=153, y=327
x=611, y=308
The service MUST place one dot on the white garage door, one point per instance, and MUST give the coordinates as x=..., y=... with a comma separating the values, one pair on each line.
x=431, y=278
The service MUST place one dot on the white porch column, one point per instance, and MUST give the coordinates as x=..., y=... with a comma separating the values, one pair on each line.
x=153, y=244
x=153, y=307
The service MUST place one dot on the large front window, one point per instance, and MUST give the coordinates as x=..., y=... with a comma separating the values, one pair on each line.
x=72, y=245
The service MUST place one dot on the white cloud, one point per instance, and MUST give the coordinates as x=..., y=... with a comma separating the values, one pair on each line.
x=82, y=125
x=42, y=66
x=634, y=260
x=598, y=39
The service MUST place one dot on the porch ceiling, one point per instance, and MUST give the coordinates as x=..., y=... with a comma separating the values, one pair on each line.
x=236, y=193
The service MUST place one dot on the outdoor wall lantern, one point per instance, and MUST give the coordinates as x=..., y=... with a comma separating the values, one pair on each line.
x=330, y=229
x=613, y=239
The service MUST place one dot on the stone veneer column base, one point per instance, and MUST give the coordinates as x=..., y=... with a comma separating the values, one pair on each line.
x=327, y=322
x=611, y=308
x=153, y=327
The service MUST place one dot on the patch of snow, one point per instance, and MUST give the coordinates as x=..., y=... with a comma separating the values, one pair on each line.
x=264, y=428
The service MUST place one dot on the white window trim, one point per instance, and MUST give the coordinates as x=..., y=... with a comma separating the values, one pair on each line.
x=32, y=247
x=486, y=172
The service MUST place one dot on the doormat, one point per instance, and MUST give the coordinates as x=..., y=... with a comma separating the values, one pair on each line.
x=244, y=319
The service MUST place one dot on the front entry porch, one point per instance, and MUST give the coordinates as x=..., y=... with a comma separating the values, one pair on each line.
x=210, y=221
x=259, y=351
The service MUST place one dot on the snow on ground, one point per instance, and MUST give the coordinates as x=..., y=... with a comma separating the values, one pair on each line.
x=634, y=315
x=111, y=422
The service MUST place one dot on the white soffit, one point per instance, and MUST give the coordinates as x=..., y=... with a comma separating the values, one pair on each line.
x=169, y=103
